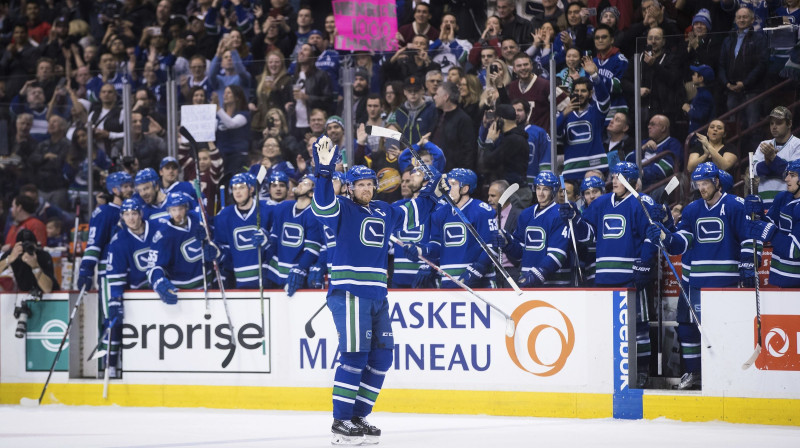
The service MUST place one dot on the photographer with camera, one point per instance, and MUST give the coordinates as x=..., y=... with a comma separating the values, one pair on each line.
x=33, y=273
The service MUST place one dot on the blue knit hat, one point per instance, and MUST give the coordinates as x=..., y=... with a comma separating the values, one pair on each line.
x=703, y=16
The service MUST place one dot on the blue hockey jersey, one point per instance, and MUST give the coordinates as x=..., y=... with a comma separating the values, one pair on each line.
x=359, y=263
x=404, y=269
x=129, y=260
x=538, y=151
x=582, y=132
x=784, y=269
x=103, y=225
x=177, y=253
x=453, y=245
x=233, y=233
x=716, y=236
x=664, y=167
x=541, y=241
x=298, y=238
x=612, y=70
x=619, y=229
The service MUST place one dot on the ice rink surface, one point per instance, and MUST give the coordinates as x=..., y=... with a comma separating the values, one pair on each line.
x=88, y=427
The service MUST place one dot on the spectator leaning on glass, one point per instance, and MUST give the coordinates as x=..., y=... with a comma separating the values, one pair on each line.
x=33, y=273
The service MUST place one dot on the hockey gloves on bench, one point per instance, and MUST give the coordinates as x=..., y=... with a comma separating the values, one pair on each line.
x=260, y=238
x=754, y=206
x=657, y=232
x=166, y=291
x=85, y=280
x=316, y=276
x=325, y=155
x=413, y=251
x=760, y=230
x=747, y=272
x=643, y=274
x=568, y=212
x=296, y=280
x=472, y=275
x=531, y=279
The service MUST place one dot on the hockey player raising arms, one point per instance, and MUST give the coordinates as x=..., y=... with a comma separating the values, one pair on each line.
x=237, y=234
x=357, y=293
x=177, y=251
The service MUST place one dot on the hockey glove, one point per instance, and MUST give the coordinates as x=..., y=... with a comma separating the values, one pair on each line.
x=324, y=153
x=260, y=239
x=426, y=278
x=759, y=230
x=643, y=274
x=297, y=279
x=754, y=206
x=413, y=251
x=115, y=313
x=567, y=211
x=658, y=212
x=657, y=232
x=85, y=280
x=166, y=291
x=210, y=252
x=531, y=279
x=471, y=276
x=316, y=276
x=747, y=273
x=501, y=239
x=435, y=187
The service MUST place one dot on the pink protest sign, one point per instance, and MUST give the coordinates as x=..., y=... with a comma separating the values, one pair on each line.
x=365, y=25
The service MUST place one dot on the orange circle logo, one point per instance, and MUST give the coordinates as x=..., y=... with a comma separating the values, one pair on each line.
x=545, y=321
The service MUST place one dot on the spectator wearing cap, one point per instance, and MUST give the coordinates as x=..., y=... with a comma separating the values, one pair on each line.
x=742, y=66
x=702, y=47
x=701, y=108
x=148, y=148
x=56, y=41
x=334, y=129
x=168, y=169
x=617, y=16
x=454, y=131
x=311, y=90
x=413, y=59
x=327, y=61
x=420, y=25
x=448, y=51
x=416, y=116
x=773, y=155
x=505, y=152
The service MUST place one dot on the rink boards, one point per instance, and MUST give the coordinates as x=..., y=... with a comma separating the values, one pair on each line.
x=568, y=357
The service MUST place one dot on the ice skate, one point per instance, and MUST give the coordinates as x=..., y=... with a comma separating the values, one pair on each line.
x=346, y=433
x=689, y=381
x=372, y=433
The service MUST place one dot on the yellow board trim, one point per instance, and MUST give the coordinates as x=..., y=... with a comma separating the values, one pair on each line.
x=530, y=404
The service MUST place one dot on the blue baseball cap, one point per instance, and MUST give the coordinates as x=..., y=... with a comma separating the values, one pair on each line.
x=703, y=70
x=167, y=160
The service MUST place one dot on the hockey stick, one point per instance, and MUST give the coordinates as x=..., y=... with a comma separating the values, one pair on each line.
x=262, y=173
x=384, y=132
x=108, y=358
x=97, y=354
x=673, y=183
x=309, y=329
x=685, y=296
x=500, y=204
x=204, y=215
x=510, y=325
x=757, y=351
x=31, y=401
x=572, y=235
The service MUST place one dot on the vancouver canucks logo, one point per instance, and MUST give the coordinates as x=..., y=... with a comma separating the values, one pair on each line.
x=710, y=230
x=414, y=235
x=141, y=258
x=455, y=234
x=579, y=132
x=243, y=238
x=192, y=250
x=535, y=238
x=613, y=226
x=292, y=235
x=373, y=232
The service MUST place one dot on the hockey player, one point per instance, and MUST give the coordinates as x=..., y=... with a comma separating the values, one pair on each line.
x=772, y=155
x=295, y=239
x=237, y=234
x=617, y=224
x=784, y=268
x=128, y=263
x=278, y=187
x=409, y=272
x=457, y=251
x=541, y=239
x=538, y=151
x=103, y=225
x=582, y=123
x=316, y=273
x=177, y=251
x=716, y=228
x=357, y=294
x=169, y=169
x=591, y=188
x=152, y=196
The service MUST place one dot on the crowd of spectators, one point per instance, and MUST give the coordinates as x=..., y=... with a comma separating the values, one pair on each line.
x=272, y=71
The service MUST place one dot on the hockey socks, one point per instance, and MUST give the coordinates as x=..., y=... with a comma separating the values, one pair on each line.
x=346, y=383
x=371, y=381
x=689, y=338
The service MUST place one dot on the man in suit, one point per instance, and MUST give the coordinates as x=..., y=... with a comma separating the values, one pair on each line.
x=507, y=220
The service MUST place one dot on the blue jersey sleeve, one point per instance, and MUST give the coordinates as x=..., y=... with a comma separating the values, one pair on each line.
x=117, y=267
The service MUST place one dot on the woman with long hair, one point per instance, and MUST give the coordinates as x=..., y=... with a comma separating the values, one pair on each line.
x=227, y=69
x=572, y=71
x=276, y=126
x=542, y=48
x=274, y=89
x=712, y=148
x=470, y=89
x=392, y=97
x=233, y=132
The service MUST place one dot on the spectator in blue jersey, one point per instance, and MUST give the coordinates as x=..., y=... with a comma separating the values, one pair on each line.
x=701, y=109
x=448, y=51
x=109, y=74
x=611, y=66
x=416, y=116
x=327, y=61
x=233, y=129
x=34, y=103
x=582, y=123
x=659, y=141
x=227, y=69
